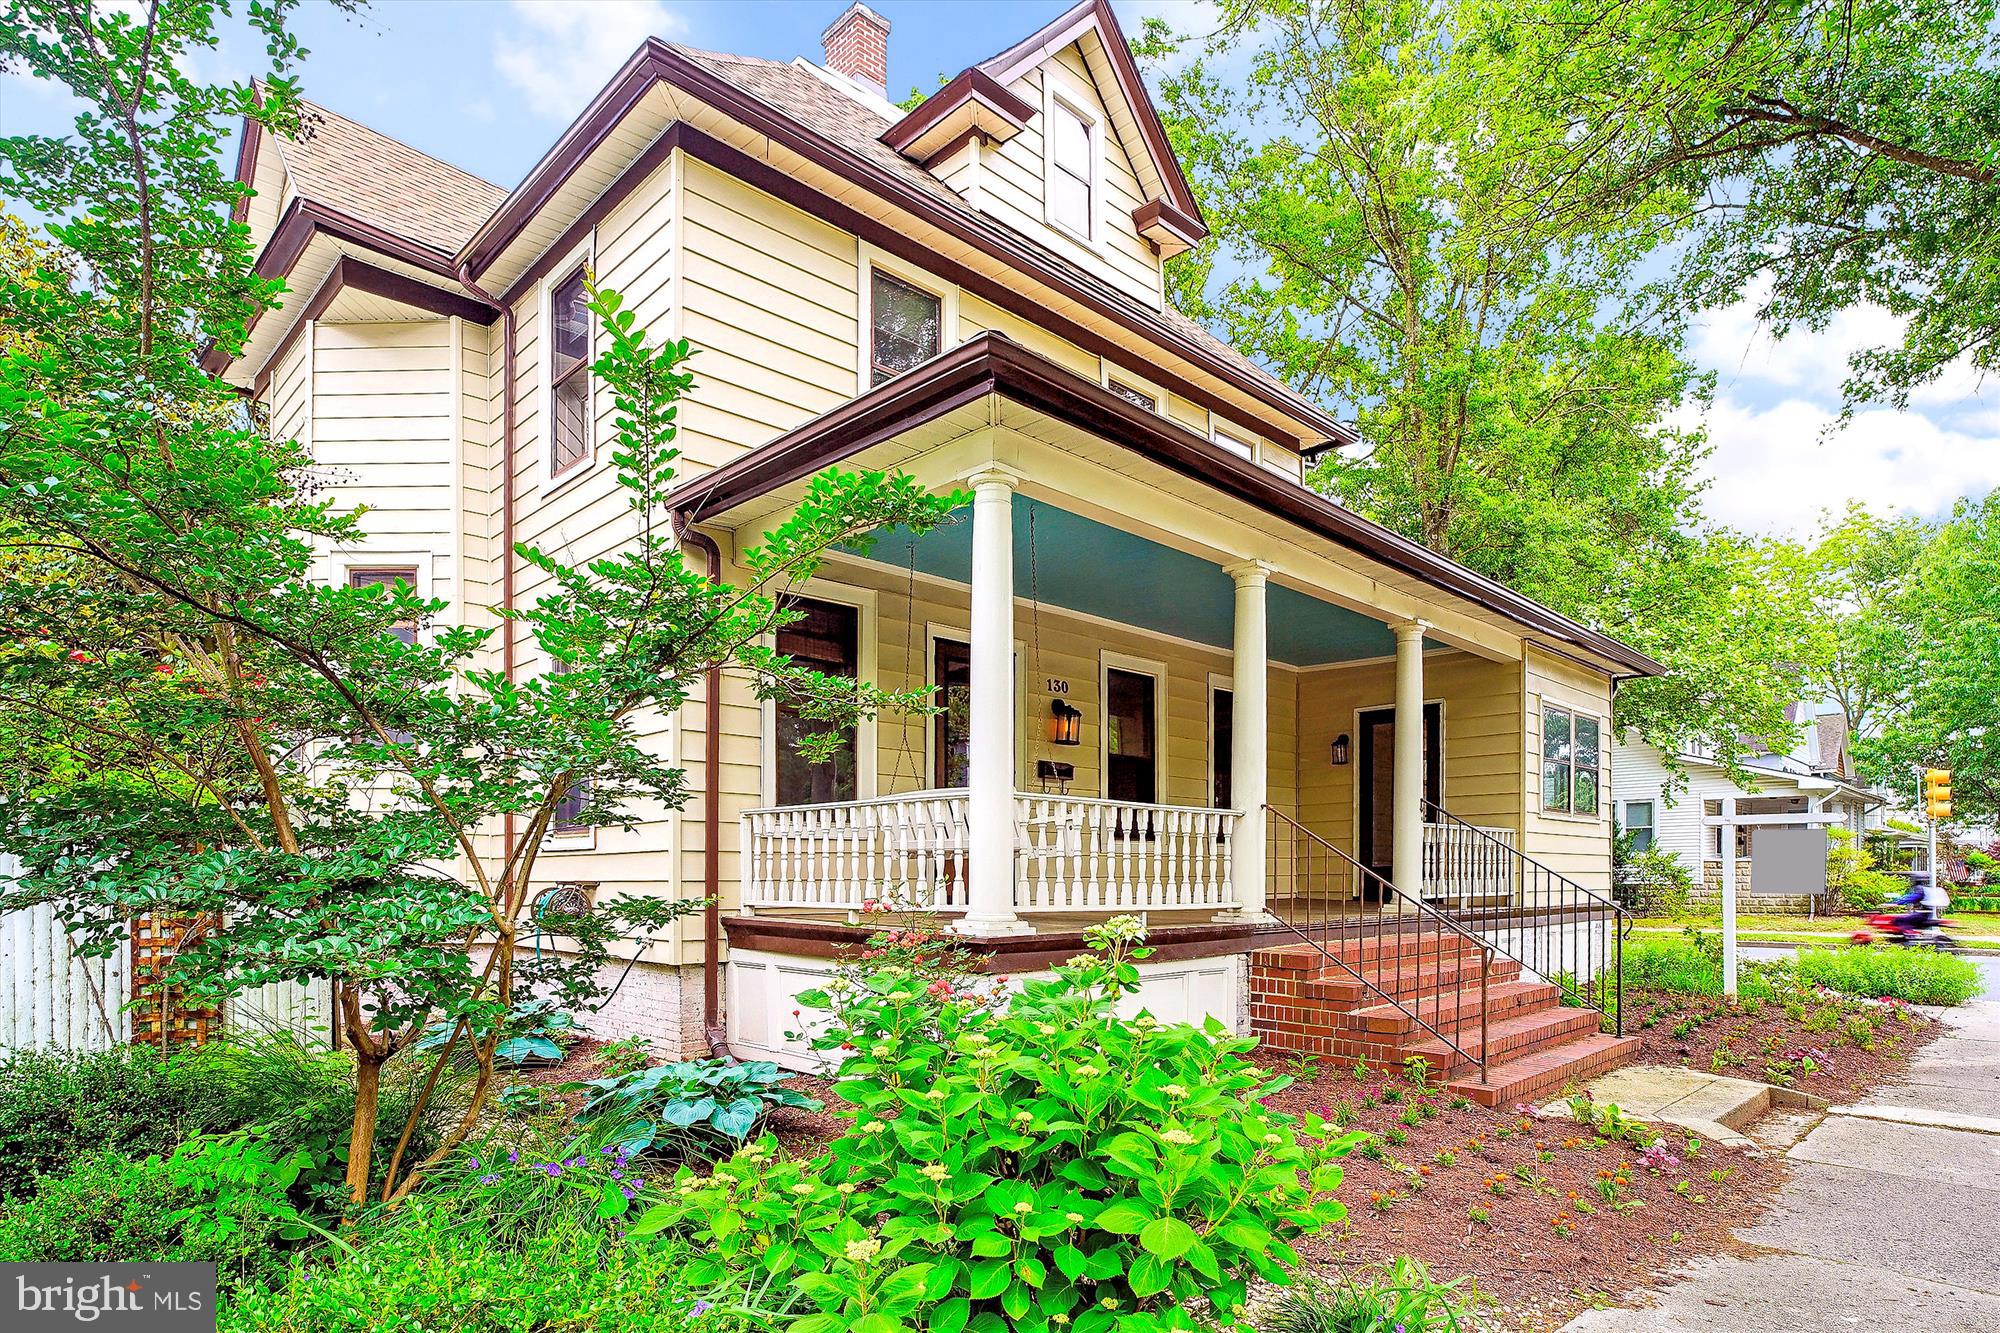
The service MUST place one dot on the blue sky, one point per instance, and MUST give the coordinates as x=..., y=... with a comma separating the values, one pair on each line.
x=489, y=84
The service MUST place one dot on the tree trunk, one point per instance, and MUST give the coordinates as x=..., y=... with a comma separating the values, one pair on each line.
x=361, y=1140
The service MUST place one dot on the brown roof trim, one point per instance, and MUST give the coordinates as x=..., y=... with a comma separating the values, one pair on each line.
x=246, y=165
x=630, y=179
x=304, y=219
x=655, y=61
x=1066, y=28
x=359, y=275
x=992, y=363
x=1160, y=213
x=973, y=85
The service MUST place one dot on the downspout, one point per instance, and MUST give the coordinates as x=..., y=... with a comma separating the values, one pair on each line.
x=509, y=833
x=711, y=815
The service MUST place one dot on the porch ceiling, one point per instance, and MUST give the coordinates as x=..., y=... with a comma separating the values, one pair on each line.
x=1082, y=565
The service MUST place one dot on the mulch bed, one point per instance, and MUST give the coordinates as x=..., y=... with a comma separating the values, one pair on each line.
x=1853, y=1046
x=1490, y=1187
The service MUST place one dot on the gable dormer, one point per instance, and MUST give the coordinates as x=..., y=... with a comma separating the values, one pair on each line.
x=1057, y=137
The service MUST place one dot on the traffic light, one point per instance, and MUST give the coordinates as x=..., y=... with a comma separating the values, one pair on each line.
x=1937, y=793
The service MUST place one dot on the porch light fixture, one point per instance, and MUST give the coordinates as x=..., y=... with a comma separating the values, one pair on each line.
x=1340, y=750
x=1065, y=723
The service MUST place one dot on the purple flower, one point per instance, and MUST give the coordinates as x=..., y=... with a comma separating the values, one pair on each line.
x=698, y=1309
x=513, y=1156
x=475, y=1164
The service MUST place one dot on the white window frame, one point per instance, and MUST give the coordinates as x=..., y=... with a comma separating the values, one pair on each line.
x=935, y=630
x=1217, y=680
x=548, y=480
x=867, y=743
x=351, y=561
x=1652, y=820
x=1604, y=807
x=1107, y=372
x=872, y=258
x=1059, y=93
x=1106, y=661
x=1229, y=436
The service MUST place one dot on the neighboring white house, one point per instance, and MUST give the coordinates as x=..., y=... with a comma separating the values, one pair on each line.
x=1816, y=774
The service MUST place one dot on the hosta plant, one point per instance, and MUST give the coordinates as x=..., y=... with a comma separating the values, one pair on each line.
x=1047, y=1166
x=691, y=1108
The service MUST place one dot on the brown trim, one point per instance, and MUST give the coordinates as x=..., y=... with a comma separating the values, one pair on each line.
x=1160, y=213
x=803, y=938
x=972, y=132
x=303, y=220
x=365, y=277
x=657, y=62
x=1006, y=66
x=630, y=179
x=990, y=363
x=711, y=819
x=246, y=166
x=972, y=85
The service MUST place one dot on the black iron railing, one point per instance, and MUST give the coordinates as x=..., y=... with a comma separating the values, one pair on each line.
x=1402, y=950
x=1554, y=927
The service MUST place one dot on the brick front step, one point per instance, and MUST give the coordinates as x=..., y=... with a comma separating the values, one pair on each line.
x=1502, y=999
x=1545, y=1072
x=1517, y=1035
x=1341, y=989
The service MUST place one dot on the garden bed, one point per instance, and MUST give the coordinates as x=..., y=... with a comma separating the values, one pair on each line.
x=1519, y=1203
x=1829, y=1046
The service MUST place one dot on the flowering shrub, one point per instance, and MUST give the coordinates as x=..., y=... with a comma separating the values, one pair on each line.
x=1046, y=1166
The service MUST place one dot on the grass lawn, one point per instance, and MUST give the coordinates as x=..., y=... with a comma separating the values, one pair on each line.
x=1973, y=930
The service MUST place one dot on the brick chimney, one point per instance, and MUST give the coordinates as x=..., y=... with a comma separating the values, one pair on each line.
x=857, y=45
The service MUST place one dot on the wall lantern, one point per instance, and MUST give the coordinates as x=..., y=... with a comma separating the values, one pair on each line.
x=1340, y=750
x=1065, y=723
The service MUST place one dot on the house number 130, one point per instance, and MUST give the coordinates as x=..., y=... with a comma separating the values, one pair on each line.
x=1058, y=686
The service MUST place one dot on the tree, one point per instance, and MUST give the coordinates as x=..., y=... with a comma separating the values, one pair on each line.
x=224, y=740
x=1949, y=713
x=1382, y=237
x=1827, y=153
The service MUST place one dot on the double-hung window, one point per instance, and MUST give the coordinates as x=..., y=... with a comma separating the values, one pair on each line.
x=1572, y=761
x=825, y=638
x=1639, y=829
x=569, y=375
x=1071, y=173
x=907, y=326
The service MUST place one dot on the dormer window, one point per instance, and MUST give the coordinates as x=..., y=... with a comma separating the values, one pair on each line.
x=1072, y=173
x=907, y=326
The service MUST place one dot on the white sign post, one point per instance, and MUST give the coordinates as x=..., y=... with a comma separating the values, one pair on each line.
x=1729, y=821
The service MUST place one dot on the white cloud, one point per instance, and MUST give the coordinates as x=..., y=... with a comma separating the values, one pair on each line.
x=560, y=52
x=1774, y=469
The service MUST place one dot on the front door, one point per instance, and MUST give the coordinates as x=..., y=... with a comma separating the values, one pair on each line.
x=1376, y=775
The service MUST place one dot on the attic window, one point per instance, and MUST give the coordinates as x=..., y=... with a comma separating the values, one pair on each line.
x=907, y=326
x=569, y=375
x=1071, y=172
x=1136, y=396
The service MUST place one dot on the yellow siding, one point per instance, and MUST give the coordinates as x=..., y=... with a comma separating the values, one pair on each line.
x=1482, y=739
x=1572, y=845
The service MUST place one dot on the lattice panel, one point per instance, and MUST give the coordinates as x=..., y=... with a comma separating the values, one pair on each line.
x=160, y=1016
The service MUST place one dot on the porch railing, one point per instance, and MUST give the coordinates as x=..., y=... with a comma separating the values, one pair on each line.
x=1071, y=854
x=1468, y=866
x=1403, y=951
x=841, y=855
x=1553, y=926
x=1081, y=854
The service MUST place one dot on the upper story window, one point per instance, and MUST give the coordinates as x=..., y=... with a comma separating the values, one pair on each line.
x=907, y=326
x=1235, y=444
x=1072, y=172
x=1572, y=761
x=569, y=375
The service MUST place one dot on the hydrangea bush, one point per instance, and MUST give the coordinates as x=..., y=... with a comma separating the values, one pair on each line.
x=1043, y=1167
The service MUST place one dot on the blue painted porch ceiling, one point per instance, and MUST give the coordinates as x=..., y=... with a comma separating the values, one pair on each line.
x=1090, y=567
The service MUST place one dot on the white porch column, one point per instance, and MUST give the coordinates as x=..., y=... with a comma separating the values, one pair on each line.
x=1250, y=727
x=990, y=874
x=1407, y=797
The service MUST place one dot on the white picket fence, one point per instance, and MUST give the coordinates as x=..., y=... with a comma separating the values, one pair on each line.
x=52, y=1000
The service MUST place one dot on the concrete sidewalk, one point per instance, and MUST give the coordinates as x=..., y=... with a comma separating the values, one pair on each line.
x=1890, y=1221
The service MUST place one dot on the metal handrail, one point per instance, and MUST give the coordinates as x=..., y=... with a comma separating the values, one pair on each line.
x=1571, y=960
x=1316, y=918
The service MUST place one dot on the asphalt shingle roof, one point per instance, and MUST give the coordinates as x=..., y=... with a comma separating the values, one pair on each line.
x=376, y=179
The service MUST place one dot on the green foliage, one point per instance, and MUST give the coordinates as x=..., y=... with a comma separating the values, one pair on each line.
x=1653, y=869
x=1690, y=963
x=687, y=1109
x=1398, y=1295
x=104, y=1205
x=535, y=1032
x=1382, y=238
x=1822, y=155
x=193, y=706
x=1915, y=976
x=239, y=1188
x=1004, y=1168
